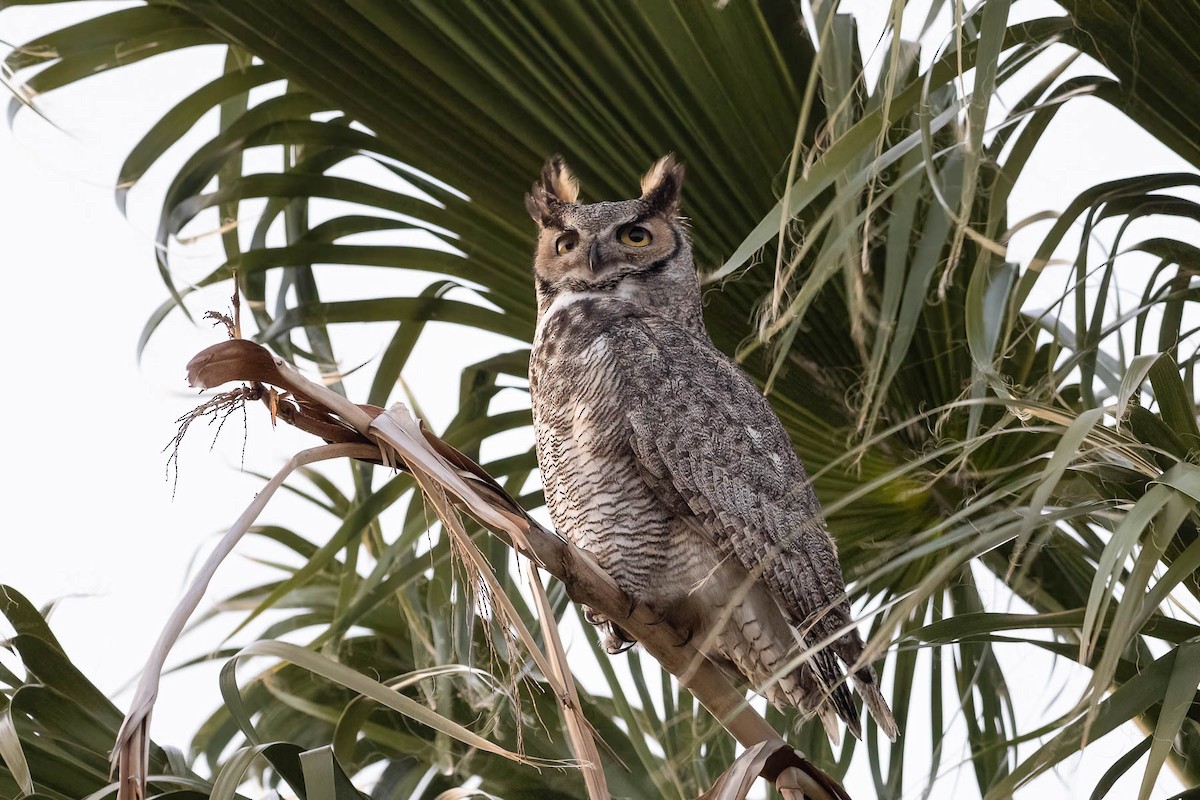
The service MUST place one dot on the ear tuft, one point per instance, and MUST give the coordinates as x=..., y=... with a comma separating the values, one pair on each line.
x=556, y=186
x=538, y=206
x=662, y=184
x=559, y=180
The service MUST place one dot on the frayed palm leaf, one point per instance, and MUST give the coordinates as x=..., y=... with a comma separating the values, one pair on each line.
x=448, y=479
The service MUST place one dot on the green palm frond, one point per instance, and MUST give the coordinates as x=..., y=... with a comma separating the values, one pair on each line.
x=853, y=232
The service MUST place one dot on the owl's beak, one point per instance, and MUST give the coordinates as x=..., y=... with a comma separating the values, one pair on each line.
x=594, y=257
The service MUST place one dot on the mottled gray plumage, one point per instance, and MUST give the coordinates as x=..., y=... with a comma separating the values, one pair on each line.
x=661, y=457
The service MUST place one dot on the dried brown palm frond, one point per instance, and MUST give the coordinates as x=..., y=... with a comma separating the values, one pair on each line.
x=452, y=482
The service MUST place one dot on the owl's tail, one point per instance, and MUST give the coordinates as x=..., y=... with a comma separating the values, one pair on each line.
x=836, y=698
x=877, y=706
x=849, y=648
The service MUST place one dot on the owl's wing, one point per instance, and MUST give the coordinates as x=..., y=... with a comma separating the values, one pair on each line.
x=705, y=437
x=707, y=441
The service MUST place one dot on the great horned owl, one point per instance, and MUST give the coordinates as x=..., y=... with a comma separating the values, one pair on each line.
x=663, y=460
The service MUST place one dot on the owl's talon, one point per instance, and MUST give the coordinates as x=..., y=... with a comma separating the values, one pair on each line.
x=615, y=639
x=618, y=645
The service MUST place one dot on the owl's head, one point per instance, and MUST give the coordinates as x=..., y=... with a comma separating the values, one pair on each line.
x=637, y=249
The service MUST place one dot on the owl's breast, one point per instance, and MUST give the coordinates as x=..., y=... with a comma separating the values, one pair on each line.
x=582, y=436
x=594, y=491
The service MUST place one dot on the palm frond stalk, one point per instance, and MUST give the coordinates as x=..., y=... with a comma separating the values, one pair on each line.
x=395, y=439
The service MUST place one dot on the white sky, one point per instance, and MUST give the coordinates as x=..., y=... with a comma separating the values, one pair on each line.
x=89, y=512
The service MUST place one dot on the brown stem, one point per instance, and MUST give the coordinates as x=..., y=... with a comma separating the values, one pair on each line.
x=324, y=412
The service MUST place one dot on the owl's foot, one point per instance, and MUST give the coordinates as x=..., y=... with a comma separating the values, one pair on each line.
x=613, y=637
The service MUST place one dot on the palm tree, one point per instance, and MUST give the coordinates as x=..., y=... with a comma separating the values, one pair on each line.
x=855, y=234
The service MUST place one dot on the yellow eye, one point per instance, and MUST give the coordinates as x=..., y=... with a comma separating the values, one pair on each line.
x=565, y=243
x=635, y=236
